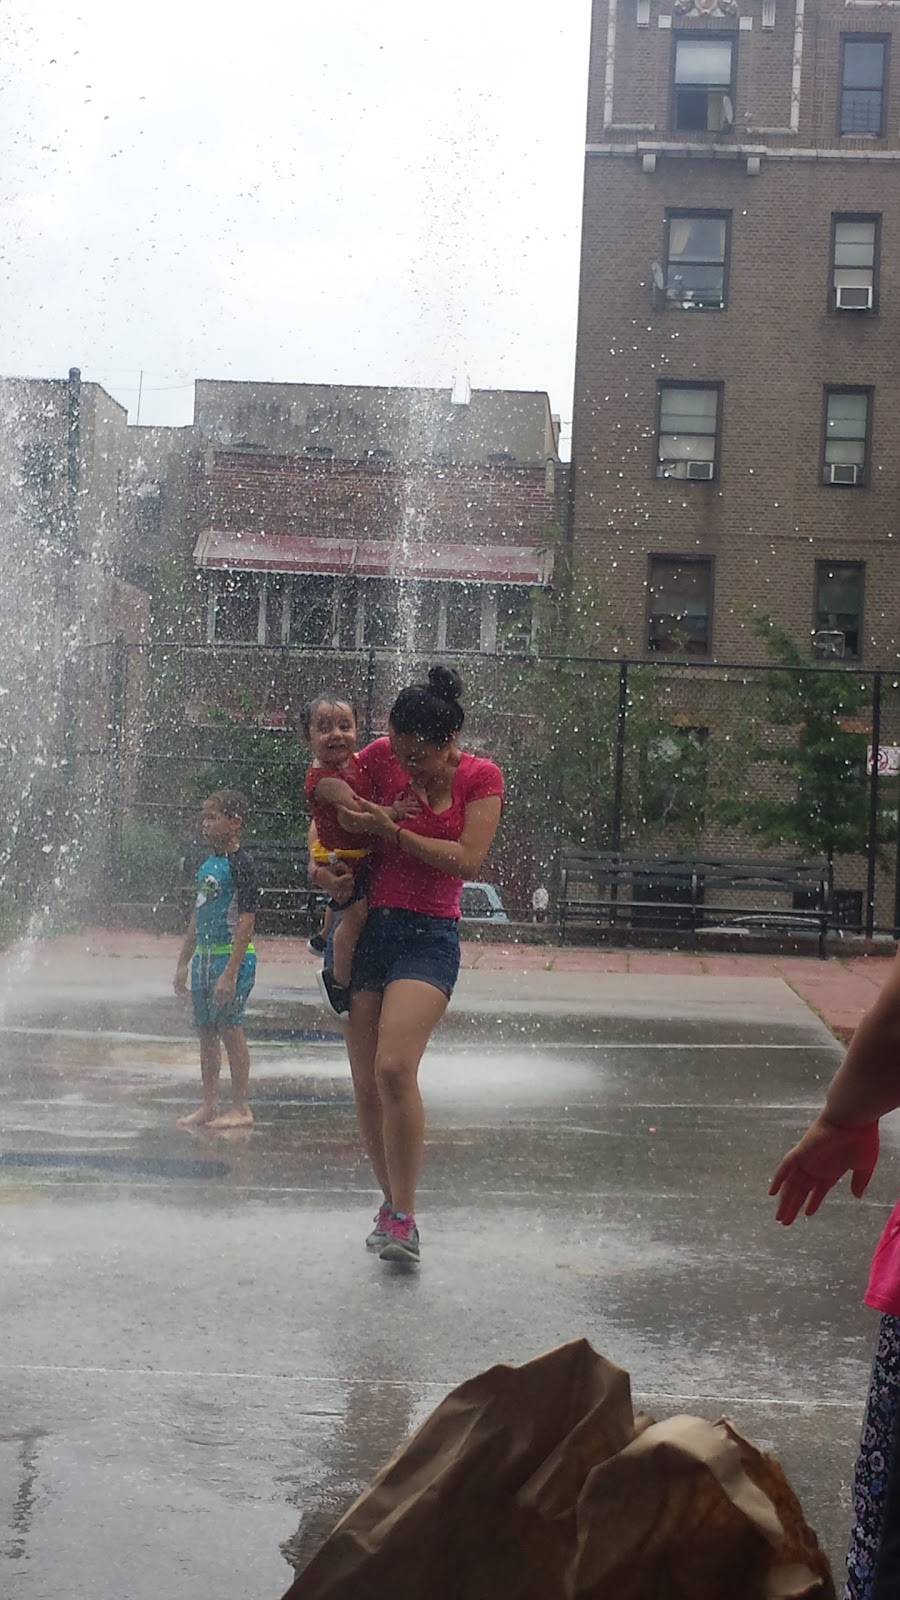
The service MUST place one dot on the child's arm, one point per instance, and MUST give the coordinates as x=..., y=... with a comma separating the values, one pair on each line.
x=332, y=791
x=844, y=1136
x=180, y=983
x=227, y=981
x=334, y=879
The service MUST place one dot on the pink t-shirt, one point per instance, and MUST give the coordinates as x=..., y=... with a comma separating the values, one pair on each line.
x=324, y=813
x=883, y=1291
x=395, y=878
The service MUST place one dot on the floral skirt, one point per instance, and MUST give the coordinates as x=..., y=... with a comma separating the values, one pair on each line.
x=873, y=1556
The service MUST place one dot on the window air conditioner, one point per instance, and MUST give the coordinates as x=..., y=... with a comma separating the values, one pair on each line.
x=843, y=472
x=853, y=297
x=700, y=469
x=828, y=643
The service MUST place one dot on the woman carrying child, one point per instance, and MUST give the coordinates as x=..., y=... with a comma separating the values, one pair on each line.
x=407, y=959
x=336, y=777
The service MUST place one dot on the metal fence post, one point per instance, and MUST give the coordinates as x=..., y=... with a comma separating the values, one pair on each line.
x=619, y=774
x=872, y=840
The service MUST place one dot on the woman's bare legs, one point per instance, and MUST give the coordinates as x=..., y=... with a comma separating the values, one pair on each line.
x=386, y=1039
x=362, y=1043
x=410, y=1011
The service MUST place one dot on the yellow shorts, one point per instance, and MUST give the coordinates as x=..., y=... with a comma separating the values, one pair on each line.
x=324, y=858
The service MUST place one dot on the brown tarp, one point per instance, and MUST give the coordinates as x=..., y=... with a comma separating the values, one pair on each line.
x=539, y=1483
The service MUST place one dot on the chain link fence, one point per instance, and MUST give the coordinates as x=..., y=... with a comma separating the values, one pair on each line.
x=660, y=756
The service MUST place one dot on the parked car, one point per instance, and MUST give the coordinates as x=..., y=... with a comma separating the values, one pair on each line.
x=480, y=902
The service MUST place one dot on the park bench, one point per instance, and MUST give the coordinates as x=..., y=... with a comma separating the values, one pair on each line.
x=285, y=894
x=694, y=894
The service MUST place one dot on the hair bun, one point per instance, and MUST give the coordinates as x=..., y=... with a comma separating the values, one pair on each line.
x=445, y=682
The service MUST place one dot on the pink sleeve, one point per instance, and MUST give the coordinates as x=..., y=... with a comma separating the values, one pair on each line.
x=883, y=1292
x=485, y=779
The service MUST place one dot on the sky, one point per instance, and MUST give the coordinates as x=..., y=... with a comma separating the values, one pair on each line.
x=329, y=194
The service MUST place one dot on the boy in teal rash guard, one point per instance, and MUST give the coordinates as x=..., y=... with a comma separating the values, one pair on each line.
x=218, y=955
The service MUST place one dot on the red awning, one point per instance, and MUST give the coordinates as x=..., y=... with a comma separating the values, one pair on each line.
x=374, y=558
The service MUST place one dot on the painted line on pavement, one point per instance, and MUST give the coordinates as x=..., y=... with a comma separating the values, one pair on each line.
x=441, y=1387
x=120, y=1036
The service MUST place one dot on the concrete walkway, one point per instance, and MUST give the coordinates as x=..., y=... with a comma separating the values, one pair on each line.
x=839, y=990
x=202, y=1363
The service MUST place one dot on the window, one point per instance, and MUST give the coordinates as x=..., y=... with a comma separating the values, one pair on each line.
x=846, y=436
x=384, y=614
x=462, y=617
x=695, y=260
x=838, y=610
x=680, y=605
x=312, y=611
x=862, y=85
x=854, y=253
x=514, y=620
x=704, y=83
x=426, y=608
x=475, y=901
x=237, y=608
x=348, y=600
x=687, y=439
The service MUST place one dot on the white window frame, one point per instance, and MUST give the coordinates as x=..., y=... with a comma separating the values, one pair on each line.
x=676, y=466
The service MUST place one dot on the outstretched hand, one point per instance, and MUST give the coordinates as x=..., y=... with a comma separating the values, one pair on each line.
x=819, y=1161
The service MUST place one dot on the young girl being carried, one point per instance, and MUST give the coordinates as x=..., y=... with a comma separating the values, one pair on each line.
x=336, y=778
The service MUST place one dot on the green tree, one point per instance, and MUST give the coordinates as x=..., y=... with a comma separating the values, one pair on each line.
x=267, y=764
x=560, y=750
x=813, y=796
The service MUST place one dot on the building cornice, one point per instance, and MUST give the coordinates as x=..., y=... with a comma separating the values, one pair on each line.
x=735, y=152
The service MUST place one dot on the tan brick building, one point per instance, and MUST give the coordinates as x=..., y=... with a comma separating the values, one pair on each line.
x=737, y=387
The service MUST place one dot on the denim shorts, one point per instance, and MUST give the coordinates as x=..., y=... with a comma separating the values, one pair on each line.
x=206, y=969
x=406, y=944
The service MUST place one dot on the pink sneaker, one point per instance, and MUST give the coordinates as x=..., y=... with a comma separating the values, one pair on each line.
x=382, y=1229
x=403, y=1239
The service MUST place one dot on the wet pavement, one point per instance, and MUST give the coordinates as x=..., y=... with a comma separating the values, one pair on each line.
x=202, y=1365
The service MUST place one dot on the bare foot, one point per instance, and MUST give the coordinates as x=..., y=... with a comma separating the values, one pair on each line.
x=232, y=1119
x=199, y=1118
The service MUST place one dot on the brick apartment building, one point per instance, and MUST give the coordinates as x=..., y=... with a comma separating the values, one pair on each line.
x=328, y=520
x=64, y=594
x=737, y=389
x=336, y=530
x=311, y=520
x=346, y=519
